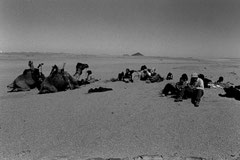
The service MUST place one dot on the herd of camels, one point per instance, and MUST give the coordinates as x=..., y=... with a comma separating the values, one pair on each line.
x=58, y=79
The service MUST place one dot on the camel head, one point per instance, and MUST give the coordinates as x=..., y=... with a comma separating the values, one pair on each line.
x=79, y=68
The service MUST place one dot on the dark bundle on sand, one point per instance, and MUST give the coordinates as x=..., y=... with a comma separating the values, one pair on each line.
x=155, y=78
x=99, y=89
x=232, y=92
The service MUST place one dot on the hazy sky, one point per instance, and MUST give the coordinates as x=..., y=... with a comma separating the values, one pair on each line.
x=197, y=28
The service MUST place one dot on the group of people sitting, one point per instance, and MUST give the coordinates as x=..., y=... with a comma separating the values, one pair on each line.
x=144, y=74
x=195, y=88
x=184, y=89
x=127, y=76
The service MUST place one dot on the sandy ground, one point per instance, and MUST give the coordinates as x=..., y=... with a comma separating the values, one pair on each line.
x=131, y=120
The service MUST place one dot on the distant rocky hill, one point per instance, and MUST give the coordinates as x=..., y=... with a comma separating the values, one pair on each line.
x=137, y=54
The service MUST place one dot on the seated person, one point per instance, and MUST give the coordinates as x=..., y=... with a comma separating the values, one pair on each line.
x=120, y=76
x=128, y=75
x=89, y=79
x=152, y=76
x=219, y=83
x=194, y=90
x=175, y=88
x=206, y=81
x=152, y=71
x=220, y=80
x=145, y=74
x=143, y=67
x=169, y=76
x=142, y=73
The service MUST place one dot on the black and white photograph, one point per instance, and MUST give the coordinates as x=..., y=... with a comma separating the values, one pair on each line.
x=119, y=80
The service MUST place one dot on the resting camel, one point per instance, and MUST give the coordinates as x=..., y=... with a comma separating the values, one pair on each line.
x=29, y=79
x=60, y=80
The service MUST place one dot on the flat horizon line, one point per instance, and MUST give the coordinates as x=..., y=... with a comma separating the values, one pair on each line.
x=105, y=54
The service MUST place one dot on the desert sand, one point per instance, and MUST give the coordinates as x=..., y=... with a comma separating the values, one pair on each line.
x=128, y=121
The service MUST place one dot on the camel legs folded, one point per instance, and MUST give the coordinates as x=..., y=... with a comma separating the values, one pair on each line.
x=48, y=89
x=19, y=86
x=72, y=82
